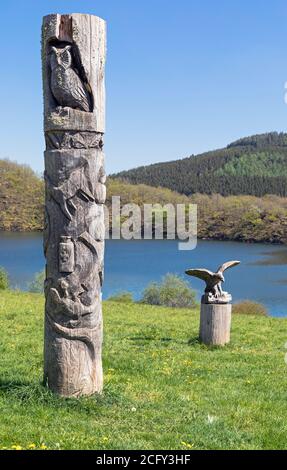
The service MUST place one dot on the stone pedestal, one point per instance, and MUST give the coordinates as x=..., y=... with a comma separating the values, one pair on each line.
x=215, y=324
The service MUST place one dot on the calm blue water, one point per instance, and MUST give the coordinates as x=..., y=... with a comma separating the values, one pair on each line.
x=131, y=265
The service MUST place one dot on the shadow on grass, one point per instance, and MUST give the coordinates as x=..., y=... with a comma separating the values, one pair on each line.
x=150, y=338
x=194, y=340
x=35, y=393
x=142, y=338
x=6, y=385
x=24, y=391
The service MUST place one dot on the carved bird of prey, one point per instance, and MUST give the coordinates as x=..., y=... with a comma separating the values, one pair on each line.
x=66, y=85
x=213, y=280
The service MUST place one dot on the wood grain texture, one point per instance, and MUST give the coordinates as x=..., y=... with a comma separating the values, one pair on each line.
x=73, y=51
x=87, y=33
x=215, y=324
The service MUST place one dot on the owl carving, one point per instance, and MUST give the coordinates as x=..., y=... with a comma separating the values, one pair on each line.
x=67, y=87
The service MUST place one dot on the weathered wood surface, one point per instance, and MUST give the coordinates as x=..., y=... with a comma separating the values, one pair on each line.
x=87, y=35
x=215, y=324
x=73, y=52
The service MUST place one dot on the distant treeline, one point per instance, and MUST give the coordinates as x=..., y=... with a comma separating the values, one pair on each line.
x=21, y=198
x=255, y=165
x=242, y=218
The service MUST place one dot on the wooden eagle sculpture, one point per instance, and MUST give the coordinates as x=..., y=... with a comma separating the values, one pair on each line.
x=213, y=290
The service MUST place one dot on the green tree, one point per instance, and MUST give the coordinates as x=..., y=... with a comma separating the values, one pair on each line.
x=173, y=291
x=4, y=280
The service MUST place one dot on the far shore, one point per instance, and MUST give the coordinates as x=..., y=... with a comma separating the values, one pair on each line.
x=217, y=239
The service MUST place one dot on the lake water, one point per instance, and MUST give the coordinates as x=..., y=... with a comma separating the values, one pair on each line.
x=131, y=265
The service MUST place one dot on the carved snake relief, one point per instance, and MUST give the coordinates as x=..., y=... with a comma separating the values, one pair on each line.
x=80, y=334
x=76, y=311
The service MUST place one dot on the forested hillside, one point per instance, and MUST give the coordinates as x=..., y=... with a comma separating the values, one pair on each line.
x=21, y=198
x=255, y=165
x=242, y=218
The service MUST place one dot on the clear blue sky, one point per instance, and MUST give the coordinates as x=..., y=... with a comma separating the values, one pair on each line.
x=182, y=77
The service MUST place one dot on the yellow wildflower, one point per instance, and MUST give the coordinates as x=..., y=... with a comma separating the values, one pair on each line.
x=16, y=447
x=188, y=446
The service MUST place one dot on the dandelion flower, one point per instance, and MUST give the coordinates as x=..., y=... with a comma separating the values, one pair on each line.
x=188, y=446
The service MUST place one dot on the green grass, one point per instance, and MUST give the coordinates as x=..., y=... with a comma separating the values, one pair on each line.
x=163, y=390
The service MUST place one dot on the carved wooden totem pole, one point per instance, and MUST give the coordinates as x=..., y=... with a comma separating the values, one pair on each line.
x=73, y=51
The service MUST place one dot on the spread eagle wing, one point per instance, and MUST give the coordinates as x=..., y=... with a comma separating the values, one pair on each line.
x=227, y=265
x=203, y=274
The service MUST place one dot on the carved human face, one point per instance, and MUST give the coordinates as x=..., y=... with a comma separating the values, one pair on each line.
x=61, y=57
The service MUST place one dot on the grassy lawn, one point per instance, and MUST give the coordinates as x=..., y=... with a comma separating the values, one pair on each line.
x=163, y=390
